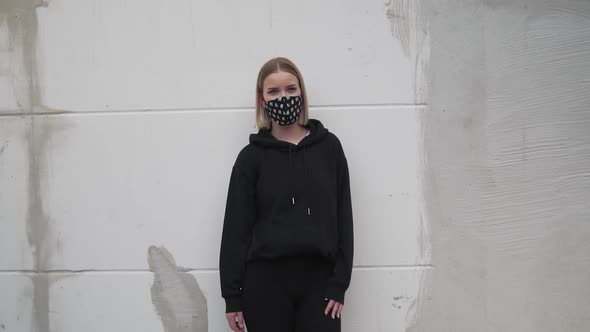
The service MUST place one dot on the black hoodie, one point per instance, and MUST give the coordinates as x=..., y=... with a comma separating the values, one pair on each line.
x=287, y=200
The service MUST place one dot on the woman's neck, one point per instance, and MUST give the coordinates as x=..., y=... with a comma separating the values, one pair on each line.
x=292, y=133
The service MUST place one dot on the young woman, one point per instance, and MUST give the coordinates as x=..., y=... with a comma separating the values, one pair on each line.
x=287, y=243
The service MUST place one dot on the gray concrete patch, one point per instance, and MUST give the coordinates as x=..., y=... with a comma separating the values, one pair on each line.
x=176, y=295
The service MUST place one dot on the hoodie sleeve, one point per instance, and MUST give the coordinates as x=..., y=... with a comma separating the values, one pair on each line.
x=240, y=213
x=340, y=280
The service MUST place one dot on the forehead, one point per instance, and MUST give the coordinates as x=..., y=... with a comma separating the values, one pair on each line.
x=280, y=78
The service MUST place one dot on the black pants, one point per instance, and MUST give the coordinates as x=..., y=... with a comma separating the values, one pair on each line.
x=287, y=295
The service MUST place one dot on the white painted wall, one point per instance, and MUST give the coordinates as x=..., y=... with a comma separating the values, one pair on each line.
x=120, y=121
x=119, y=124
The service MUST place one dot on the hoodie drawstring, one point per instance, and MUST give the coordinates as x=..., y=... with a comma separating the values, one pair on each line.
x=290, y=178
x=305, y=180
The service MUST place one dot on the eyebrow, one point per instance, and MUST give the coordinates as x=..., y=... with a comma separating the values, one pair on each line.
x=288, y=86
x=273, y=88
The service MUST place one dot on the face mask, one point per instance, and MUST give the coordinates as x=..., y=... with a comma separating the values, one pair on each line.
x=284, y=110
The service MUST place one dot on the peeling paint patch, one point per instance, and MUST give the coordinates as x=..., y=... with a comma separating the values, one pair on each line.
x=176, y=295
x=423, y=239
x=410, y=26
x=18, y=66
x=399, y=13
x=399, y=301
x=20, y=18
x=41, y=285
x=417, y=303
x=39, y=233
x=18, y=37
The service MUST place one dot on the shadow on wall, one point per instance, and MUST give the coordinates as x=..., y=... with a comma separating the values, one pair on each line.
x=176, y=295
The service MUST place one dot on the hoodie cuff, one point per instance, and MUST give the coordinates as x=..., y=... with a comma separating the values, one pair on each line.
x=233, y=304
x=335, y=293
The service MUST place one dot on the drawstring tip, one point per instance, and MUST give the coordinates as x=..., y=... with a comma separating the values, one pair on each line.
x=293, y=200
x=308, y=211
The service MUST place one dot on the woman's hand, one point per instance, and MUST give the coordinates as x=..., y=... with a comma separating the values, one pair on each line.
x=235, y=321
x=335, y=307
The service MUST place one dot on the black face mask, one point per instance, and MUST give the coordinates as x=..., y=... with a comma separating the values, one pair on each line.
x=284, y=110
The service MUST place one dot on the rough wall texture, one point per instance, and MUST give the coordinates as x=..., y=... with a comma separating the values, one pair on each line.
x=507, y=148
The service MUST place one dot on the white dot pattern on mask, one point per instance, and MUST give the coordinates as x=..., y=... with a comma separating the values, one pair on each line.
x=284, y=110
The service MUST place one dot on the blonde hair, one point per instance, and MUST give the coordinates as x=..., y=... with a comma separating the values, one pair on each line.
x=272, y=66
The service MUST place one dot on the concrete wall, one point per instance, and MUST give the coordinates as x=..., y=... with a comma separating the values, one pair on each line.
x=507, y=185
x=119, y=125
x=120, y=120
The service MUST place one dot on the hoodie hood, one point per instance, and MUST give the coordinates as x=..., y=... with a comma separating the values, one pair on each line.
x=267, y=141
x=264, y=138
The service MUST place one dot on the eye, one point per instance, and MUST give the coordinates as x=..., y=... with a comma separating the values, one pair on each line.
x=292, y=89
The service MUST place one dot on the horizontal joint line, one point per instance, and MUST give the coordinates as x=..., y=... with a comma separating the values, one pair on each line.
x=194, y=110
x=65, y=271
